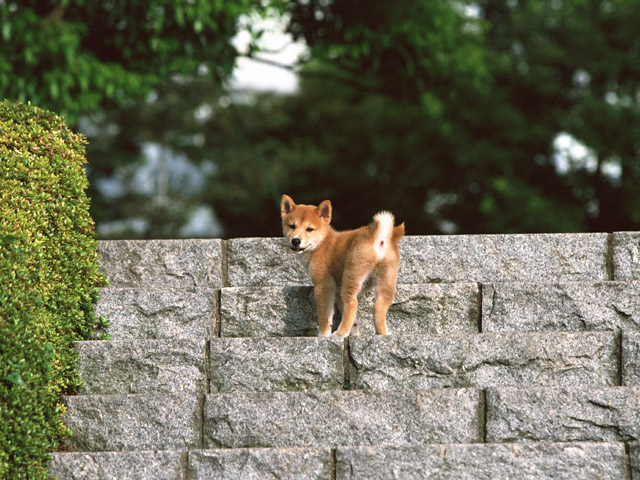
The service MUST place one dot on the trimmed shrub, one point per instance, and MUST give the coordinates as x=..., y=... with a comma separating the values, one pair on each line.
x=49, y=281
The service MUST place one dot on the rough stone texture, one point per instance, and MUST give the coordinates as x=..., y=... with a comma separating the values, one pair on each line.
x=631, y=359
x=263, y=262
x=276, y=364
x=485, y=360
x=550, y=461
x=443, y=258
x=634, y=460
x=435, y=309
x=310, y=419
x=142, y=366
x=162, y=263
x=261, y=464
x=133, y=422
x=117, y=465
x=501, y=258
x=626, y=255
x=563, y=415
x=267, y=312
x=159, y=312
x=510, y=307
x=290, y=311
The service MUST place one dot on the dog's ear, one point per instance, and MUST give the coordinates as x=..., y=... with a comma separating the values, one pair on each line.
x=324, y=211
x=286, y=205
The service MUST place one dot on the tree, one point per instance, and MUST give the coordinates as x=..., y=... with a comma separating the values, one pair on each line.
x=121, y=71
x=157, y=204
x=449, y=113
x=77, y=57
x=575, y=67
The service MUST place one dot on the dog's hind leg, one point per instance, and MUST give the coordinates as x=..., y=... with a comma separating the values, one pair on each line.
x=384, y=297
x=350, y=290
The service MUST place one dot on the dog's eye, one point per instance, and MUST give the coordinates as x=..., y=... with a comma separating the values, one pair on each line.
x=292, y=226
x=310, y=229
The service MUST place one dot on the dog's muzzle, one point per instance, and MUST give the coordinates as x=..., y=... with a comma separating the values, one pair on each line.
x=295, y=245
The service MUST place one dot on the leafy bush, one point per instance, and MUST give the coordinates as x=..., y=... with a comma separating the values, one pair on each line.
x=49, y=281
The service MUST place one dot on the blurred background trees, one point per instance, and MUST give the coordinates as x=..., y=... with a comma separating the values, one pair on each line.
x=459, y=116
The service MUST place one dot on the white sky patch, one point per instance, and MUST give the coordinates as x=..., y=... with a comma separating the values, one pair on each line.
x=571, y=154
x=278, y=48
x=257, y=76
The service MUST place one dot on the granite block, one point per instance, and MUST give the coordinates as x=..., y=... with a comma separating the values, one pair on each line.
x=141, y=465
x=142, y=366
x=261, y=464
x=320, y=419
x=133, y=422
x=509, y=307
x=485, y=360
x=276, y=364
x=162, y=263
x=159, y=312
x=532, y=461
x=517, y=414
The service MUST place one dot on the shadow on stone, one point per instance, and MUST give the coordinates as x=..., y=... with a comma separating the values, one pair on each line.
x=300, y=312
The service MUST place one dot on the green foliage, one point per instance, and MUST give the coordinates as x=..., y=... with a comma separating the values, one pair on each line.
x=49, y=281
x=74, y=56
x=444, y=112
x=447, y=117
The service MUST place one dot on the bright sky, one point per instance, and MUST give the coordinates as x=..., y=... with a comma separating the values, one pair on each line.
x=255, y=75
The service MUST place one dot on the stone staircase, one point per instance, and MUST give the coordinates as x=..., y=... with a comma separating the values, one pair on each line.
x=510, y=356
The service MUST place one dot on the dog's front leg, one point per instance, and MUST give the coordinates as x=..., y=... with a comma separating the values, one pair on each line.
x=325, y=296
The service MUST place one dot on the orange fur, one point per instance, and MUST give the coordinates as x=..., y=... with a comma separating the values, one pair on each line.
x=342, y=264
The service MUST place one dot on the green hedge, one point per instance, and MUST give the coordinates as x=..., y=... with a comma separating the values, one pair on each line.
x=49, y=281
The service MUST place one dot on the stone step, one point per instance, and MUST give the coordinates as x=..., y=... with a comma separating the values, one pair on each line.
x=142, y=366
x=263, y=463
x=134, y=422
x=223, y=464
x=221, y=365
x=510, y=307
x=276, y=364
x=486, y=360
x=273, y=419
x=141, y=465
x=339, y=418
x=159, y=312
x=425, y=259
x=436, y=308
x=539, y=461
x=625, y=250
x=163, y=263
x=450, y=258
x=483, y=360
x=316, y=419
x=516, y=414
x=290, y=311
x=532, y=461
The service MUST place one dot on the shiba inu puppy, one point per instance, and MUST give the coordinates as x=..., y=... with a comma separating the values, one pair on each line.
x=342, y=264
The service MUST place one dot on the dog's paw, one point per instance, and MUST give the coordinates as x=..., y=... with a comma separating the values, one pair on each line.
x=335, y=335
x=324, y=335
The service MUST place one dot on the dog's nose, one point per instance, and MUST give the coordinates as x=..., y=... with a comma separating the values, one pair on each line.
x=295, y=242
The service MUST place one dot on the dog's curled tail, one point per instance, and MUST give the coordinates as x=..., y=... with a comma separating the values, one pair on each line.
x=386, y=232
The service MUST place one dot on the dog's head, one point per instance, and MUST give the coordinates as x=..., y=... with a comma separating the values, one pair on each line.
x=304, y=226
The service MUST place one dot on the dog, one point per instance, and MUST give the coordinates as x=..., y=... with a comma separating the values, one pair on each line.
x=343, y=264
